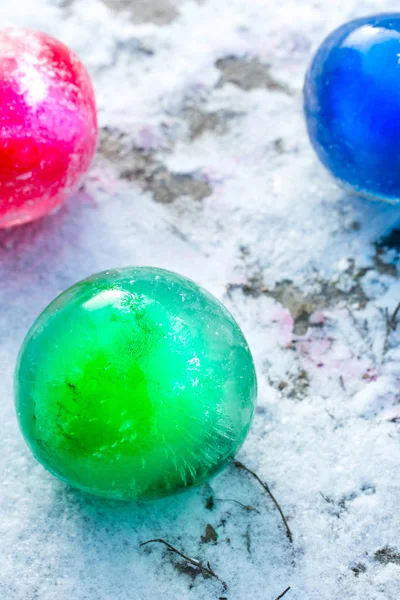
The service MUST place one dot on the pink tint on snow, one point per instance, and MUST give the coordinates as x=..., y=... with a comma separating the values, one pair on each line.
x=285, y=321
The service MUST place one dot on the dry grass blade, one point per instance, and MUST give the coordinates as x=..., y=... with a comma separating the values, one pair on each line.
x=283, y=593
x=392, y=322
x=240, y=465
x=245, y=506
x=206, y=570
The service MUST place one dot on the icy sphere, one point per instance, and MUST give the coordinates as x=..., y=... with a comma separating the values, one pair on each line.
x=135, y=383
x=48, y=124
x=352, y=105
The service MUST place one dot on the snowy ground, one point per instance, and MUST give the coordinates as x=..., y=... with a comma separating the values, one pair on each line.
x=204, y=167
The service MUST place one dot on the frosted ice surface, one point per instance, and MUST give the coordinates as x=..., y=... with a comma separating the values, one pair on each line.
x=204, y=167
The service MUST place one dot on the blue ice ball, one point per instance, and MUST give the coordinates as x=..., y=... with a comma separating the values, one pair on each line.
x=352, y=105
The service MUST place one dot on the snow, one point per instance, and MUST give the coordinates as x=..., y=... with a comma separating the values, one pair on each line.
x=253, y=217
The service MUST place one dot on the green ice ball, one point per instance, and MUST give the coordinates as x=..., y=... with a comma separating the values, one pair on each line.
x=135, y=383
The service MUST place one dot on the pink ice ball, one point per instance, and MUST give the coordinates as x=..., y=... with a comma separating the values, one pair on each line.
x=48, y=124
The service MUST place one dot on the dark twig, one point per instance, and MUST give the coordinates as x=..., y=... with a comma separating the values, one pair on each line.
x=205, y=570
x=330, y=414
x=388, y=331
x=245, y=506
x=326, y=498
x=392, y=322
x=342, y=383
x=283, y=593
x=240, y=465
x=363, y=334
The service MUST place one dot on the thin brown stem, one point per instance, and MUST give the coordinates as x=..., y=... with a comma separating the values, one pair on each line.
x=326, y=499
x=393, y=323
x=388, y=330
x=245, y=506
x=206, y=570
x=240, y=465
x=283, y=594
